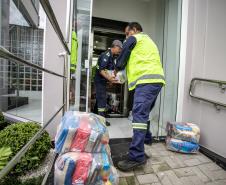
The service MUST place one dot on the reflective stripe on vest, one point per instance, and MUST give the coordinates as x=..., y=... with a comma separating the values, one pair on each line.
x=151, y=76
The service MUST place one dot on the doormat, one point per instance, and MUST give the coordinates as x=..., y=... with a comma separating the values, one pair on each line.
x=119, y=149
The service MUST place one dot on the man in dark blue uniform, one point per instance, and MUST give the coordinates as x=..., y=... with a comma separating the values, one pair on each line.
x=105, y=63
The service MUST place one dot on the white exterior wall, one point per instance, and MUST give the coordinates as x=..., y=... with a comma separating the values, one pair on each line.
x=203, y=55
x=147, y=12
x=53, y=85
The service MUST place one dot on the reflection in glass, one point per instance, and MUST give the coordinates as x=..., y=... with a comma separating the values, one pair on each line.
x=27, y=69
x=21, y=75
x=34, y=82
x=33, y=88
x=21, y=87
x=81, y=24
x=19, y=91
x=15, y=16
x=21, y=81
x=27, y=75
x=27, y=88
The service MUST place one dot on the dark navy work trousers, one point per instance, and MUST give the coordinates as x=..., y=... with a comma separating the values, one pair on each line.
x=101, y=97
x=144, y=101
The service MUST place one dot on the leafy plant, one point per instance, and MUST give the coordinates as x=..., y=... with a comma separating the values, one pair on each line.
x=5, y=152
x=3, y=123
x=10, y=180
x=16, y=136
x=14, y=180
x=33, y=181
x=1, y=117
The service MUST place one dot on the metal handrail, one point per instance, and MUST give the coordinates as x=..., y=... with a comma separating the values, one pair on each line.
x=52, y=18
x=20, y=154
x=4, y=53
x=52, y=161
x=222, y=85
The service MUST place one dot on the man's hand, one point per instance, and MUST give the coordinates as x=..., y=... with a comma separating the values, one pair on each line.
x=115, y=72
x=112, y=79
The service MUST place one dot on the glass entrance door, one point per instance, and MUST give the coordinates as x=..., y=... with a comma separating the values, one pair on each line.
x=80, y=75
x=167, y=39
x=166, y=35
x=163, y=27
x=170, y=58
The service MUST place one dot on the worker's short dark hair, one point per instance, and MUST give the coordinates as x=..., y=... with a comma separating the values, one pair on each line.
x=136, y=25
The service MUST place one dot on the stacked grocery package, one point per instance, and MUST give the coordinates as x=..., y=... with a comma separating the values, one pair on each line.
x=182, y=137
x=84, y=154
x=120, y=76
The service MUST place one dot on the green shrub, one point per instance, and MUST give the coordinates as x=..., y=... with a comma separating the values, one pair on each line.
x=1, y=117
x=16, y=136
x=14, y=180
x=5, y=152
x=3, y=123
x=10, y=180
x=33, y=181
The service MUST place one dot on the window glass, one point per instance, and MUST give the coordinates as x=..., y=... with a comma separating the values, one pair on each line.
x=19, y=35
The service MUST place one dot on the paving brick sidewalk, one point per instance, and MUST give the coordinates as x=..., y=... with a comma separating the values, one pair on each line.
x=170, y=168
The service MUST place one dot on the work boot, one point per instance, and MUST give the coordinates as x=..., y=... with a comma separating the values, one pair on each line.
x=129, y=165
x=108, y=123
x=148, y=142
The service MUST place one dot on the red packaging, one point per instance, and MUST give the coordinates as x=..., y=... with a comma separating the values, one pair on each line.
x=81, y=172
x=82, y=136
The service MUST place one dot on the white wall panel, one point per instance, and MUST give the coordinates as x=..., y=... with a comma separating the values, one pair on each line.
x=206, y=58
x=52, y=85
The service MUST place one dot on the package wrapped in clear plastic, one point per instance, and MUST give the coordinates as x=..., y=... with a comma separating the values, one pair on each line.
x=82, y=132
x=76, y=168
x=181, y=146
x=183, y=131
x=120, y=76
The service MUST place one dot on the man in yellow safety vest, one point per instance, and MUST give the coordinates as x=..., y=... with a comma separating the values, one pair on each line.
x=140, y=57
